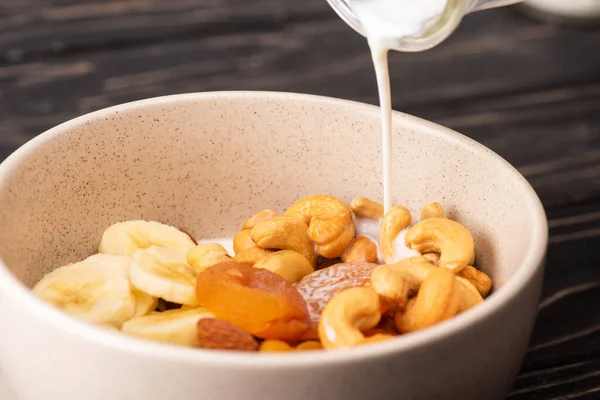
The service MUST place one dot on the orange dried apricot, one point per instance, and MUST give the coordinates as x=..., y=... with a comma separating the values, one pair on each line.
x=257, y=300
x=312, y=333
x=320, y=286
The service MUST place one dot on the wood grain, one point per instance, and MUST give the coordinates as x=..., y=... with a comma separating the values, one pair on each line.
x=530, y=92
x=33, y=29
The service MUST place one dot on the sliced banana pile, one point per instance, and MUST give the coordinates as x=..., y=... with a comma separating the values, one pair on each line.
x=138, y=263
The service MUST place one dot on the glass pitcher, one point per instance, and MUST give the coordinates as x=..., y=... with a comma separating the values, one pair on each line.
x=443, y=27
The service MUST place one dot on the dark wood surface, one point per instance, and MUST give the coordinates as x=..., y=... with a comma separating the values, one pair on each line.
x=529, y=91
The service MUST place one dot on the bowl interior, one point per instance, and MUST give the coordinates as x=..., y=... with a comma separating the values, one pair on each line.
x=206, y=162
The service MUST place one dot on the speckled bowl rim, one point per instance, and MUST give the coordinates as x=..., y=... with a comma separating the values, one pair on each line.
x=533, y=261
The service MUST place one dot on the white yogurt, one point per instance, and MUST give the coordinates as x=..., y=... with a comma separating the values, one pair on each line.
x=370, y=229
x=367, y=227
x=396, y=19
x=402, y=251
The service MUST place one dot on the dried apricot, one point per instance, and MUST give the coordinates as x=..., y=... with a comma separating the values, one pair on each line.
x=218, y=334
x=313, y=331
x=320, y=286
x=257, y=300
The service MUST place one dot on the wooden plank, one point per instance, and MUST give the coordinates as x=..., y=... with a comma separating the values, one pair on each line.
x=38, y=28
x=571, y=381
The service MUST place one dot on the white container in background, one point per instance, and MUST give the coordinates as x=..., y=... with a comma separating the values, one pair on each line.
x=571, y=10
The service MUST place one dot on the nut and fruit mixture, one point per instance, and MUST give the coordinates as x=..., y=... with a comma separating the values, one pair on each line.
x=322, y=275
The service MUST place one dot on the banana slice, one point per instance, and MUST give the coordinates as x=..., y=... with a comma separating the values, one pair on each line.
x=127, y=237
x=114, y=262
x=144, y=303
x=90, y=292
x=164, y=273
x=173, y=326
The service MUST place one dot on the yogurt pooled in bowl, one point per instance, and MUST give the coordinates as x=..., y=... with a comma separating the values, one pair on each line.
x=370, y=228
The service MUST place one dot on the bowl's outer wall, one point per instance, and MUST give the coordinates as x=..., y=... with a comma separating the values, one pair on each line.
x=480, y=363
x=206, y=163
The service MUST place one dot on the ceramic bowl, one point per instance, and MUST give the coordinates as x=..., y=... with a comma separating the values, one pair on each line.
x=206, y=162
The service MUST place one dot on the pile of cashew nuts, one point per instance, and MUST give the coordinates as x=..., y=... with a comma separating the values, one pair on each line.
x=319, y=231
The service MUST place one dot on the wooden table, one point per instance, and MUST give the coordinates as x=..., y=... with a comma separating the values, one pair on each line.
x=529, y=91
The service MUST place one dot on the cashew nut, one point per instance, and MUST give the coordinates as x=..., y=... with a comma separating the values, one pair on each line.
x=365, y=208
x=362, y=249
x=432, y=210
x=246, y=251
x=309, y=345
x=285, y=233
x=395, y=283
x=439, y=299
x=395, y=220
x=470, y=296
x=206, y=255
x=242, y=241
x=330, y=223
x=289, y=264
x=274, y=345
x=479, y=279
x=260, y=216
x=378, y=337
x=252, y=255
x=433, y=258
x=440, y=235
x=347, y=315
